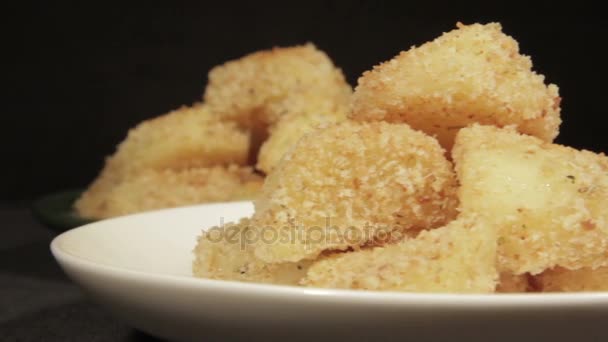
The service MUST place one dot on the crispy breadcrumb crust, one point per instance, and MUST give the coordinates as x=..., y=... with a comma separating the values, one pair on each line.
x=472, y=74
x=459, y=257
x=290, y=128
x=184, y=138
x=180, y=146
x=563, y=280
x=259, y=88
x=548, y=201
x=155, y=189
x=225, y=253
x=342, y=186
x=510, y=283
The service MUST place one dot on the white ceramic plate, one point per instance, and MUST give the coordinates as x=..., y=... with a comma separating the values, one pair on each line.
x=138, y=267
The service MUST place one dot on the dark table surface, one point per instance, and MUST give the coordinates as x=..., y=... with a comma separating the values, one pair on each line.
x=37, y=301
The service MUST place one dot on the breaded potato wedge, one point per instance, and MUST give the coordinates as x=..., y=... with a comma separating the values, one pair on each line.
x=459, y=257
x=174, y=145
x=290, y=129
x=549, y=201
x=342, y=186
x=472, y=74
x=152, y=189
x=510, y=283
x=225, y=253
x=185, y=138
x=560, y=279
x=259, y=88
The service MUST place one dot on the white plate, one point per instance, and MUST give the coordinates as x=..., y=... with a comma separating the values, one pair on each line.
x=138, y=267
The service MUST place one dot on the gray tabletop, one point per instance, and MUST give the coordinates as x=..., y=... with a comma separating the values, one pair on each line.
x=37, y=301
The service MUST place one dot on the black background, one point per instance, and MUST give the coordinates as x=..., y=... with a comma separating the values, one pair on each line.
x=78, y=76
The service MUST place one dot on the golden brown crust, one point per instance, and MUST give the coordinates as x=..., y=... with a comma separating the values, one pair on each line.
x=365, y=178
x=563, y=280
x=260, y=88
x=169, y=161
x=510, y=283
x=459, y=257
x=290, y=128
x=472, y=74
x=151, y=189
x=184, y=138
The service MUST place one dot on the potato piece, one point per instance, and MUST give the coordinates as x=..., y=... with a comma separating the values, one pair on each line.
x=152, y=189
x=185, y=138
x=225, y=253
x=549, y=201
x=472, y=74
x=290, y=129
x=174, y=144
x=345, y=185
x=563, y=280
x=258, y=89
x=510, y=283
x=459, y=257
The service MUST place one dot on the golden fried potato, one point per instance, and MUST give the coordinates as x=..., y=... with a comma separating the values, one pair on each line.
x=549, y=201
x=342, y=186
x=226, y=253
x=290, y=129
x=510, y=283
x=472, y=74
x=459, y=257
x=563, y=280
x=175, y=146
x=261, y=87
x=153, y=189
x=185, y=138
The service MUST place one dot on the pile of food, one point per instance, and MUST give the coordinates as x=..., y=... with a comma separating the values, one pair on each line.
x=253, y=110
x=438, y=174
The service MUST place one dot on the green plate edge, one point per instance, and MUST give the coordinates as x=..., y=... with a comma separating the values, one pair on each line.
x=56, y=210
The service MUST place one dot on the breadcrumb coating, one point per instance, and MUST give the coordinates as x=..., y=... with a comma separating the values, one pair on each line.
x=179, y=145
x=548, y=201
x=459, y=257
x=226, y=253
x=472, y=74
x=155, y=189
x=290, y=128
x=563, y=280
x=259, y=88
x=510, y=283
x=184, y=138
x=343, y=186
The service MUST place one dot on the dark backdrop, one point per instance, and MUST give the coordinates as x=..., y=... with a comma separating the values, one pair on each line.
x=79, y=76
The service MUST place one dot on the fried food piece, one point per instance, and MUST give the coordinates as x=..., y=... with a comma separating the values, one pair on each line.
x=510, y=283
x=226, y=253
x=178, y=145
x=290, y=129
x=549, y=201
x=153, y=189
x=257, y=89
x=342, y=186
x=563, y=280
x=459, y=257
x=185, y=138
x=472, y=74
